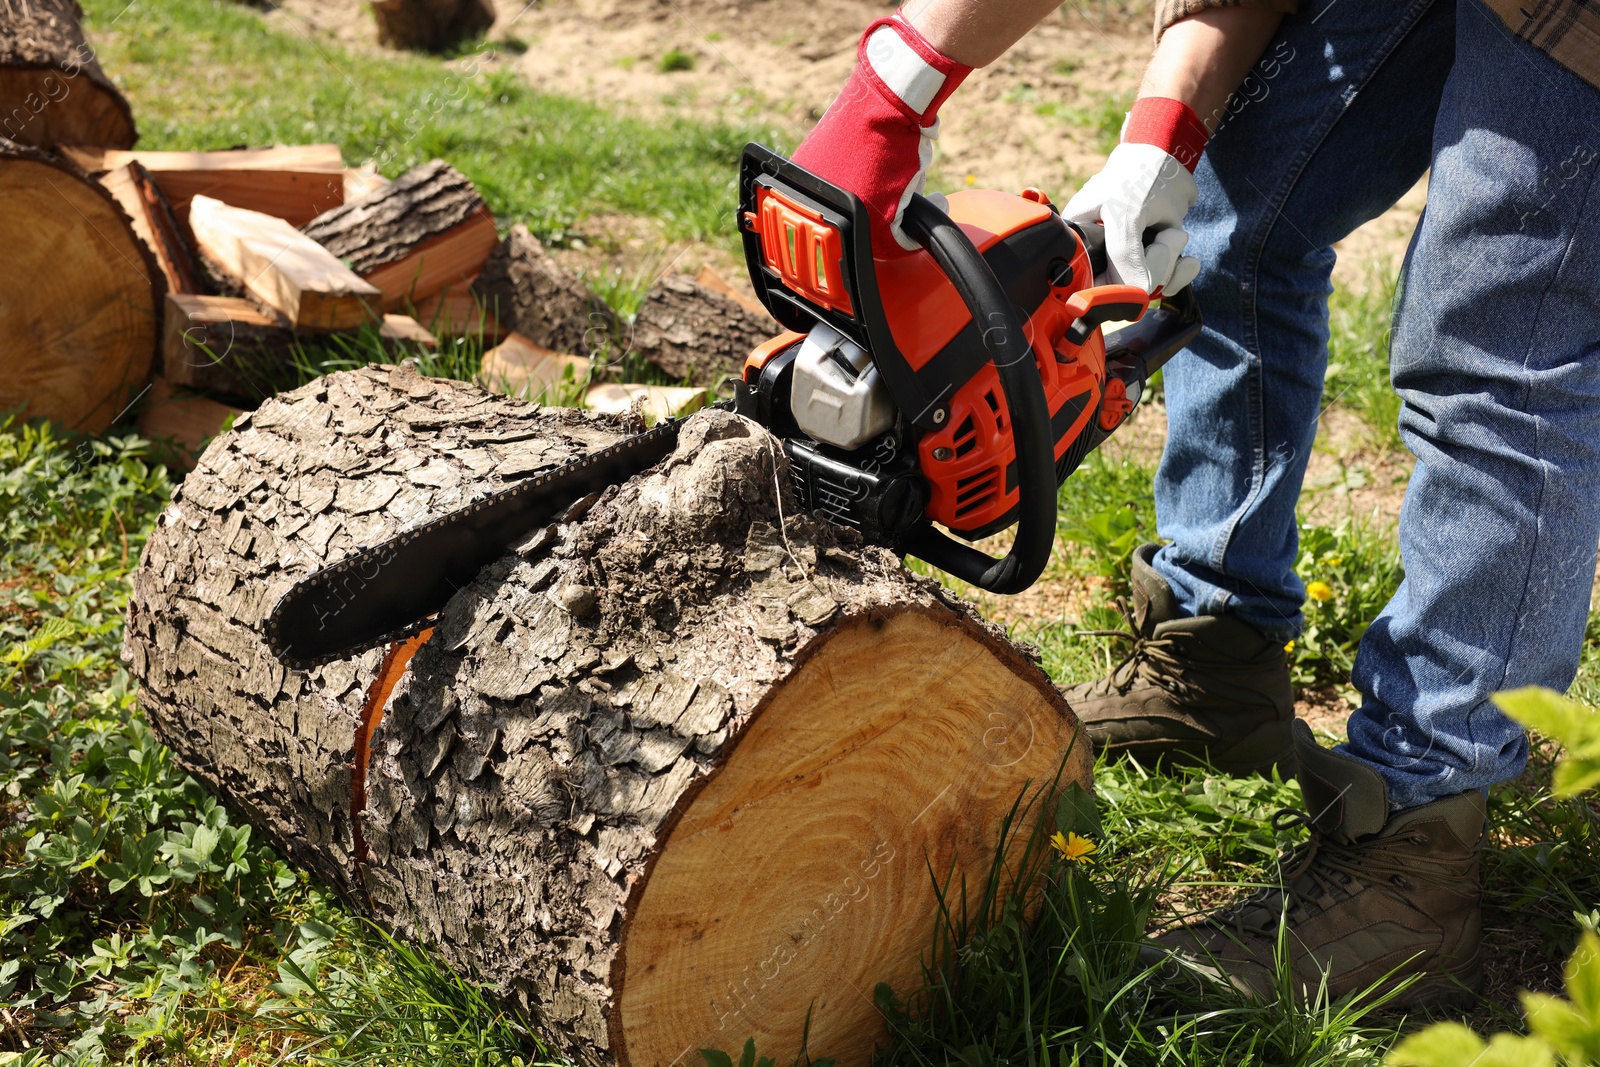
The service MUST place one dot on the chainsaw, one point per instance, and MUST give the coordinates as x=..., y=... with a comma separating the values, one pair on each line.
x=954, y=387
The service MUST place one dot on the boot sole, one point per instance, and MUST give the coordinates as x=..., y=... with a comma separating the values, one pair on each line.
x=1269, y=746
x=1454, y=988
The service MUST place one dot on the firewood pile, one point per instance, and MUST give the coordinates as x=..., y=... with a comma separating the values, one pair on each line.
x=182, y=286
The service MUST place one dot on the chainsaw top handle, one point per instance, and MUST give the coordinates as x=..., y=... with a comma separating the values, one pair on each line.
x=1007, y=345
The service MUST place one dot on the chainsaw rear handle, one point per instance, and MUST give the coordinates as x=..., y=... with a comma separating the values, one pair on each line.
x=1007, y=345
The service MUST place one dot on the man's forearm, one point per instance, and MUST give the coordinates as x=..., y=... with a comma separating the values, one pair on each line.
x=1202, y=59
x=977, y=32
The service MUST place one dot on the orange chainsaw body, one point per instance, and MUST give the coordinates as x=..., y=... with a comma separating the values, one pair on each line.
x=968, y=459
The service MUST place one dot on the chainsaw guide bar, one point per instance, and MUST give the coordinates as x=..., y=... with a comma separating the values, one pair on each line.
x=351, y=606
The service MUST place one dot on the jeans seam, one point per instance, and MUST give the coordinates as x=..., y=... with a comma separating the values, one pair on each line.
x=1250, y=275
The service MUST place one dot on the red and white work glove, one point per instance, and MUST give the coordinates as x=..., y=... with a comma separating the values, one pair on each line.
x=876, y=139
x=1147, y=182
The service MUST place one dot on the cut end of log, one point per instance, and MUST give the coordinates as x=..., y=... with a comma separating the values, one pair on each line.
x=81, y=320
x=889, y=758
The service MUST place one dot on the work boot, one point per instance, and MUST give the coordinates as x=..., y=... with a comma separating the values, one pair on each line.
x=1374, y=897
x=1207, y=688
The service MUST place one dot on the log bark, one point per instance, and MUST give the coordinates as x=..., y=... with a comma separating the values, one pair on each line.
x=528, y=292
x=425, y=231
x=668, y=776
x=53, y=89
x=430, y=25
x=80, y=294
x=693, y=332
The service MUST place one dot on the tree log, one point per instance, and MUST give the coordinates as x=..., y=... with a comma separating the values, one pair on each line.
x=692, y=331
x=430, y=25
x=80, y=294
x=528, y=292
x=412, y=239
x=53, y=89
x=670, y=775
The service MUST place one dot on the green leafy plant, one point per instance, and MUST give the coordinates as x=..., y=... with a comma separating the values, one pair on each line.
x=1350, y=571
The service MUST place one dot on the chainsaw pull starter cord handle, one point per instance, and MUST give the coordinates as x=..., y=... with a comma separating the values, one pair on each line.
x=1006, y=343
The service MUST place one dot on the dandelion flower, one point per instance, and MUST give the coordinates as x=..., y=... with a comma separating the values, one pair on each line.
x=972, y=179
x=1079, y=850
x=1333, y=561
x=1289, y=647
x=1319, y=591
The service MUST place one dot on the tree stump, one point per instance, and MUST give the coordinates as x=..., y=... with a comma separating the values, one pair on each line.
x=52, y=85
x=80, y=294
x=671, y=774
x=430, y=25
x=693, y=332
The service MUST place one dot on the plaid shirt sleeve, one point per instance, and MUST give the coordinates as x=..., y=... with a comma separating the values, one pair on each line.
x=1170, y=11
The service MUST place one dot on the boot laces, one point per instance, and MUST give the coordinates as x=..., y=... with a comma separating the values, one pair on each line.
x=1152, y=660
x=1323, y=872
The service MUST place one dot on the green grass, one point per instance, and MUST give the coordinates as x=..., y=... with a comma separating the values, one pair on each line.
x=204, y=75
x=139, y=922
x=1358, y=359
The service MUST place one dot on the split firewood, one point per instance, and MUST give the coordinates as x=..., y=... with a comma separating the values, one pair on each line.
x=423, y=232
x=520, y=368
x=672, y=774
x=282, y=267
x=430, y=25
x=695, y=333
x=182, y=420
x=80, y=295
x=655, y=402
x=529, y=293
x=226, y=344
x=296, y=183
x=51, y=83
x=155, y=224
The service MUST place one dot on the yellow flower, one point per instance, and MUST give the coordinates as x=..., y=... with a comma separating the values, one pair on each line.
x=1321, y=591
x=1079, y=850
x=1333, y=561
x=1289, y=647
x=972, y=179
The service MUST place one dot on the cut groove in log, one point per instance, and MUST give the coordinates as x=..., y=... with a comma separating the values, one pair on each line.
x=282, y=267
x=694, y=332
x=53, y=88
x=80, y=295
x=528, y=292
x=423, y=232
x=669, y=775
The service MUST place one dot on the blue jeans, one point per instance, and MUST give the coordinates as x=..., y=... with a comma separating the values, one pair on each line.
x=1495, y=355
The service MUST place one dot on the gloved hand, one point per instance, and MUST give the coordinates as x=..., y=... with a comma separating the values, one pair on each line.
x=876, y=139
x=1148, y=182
